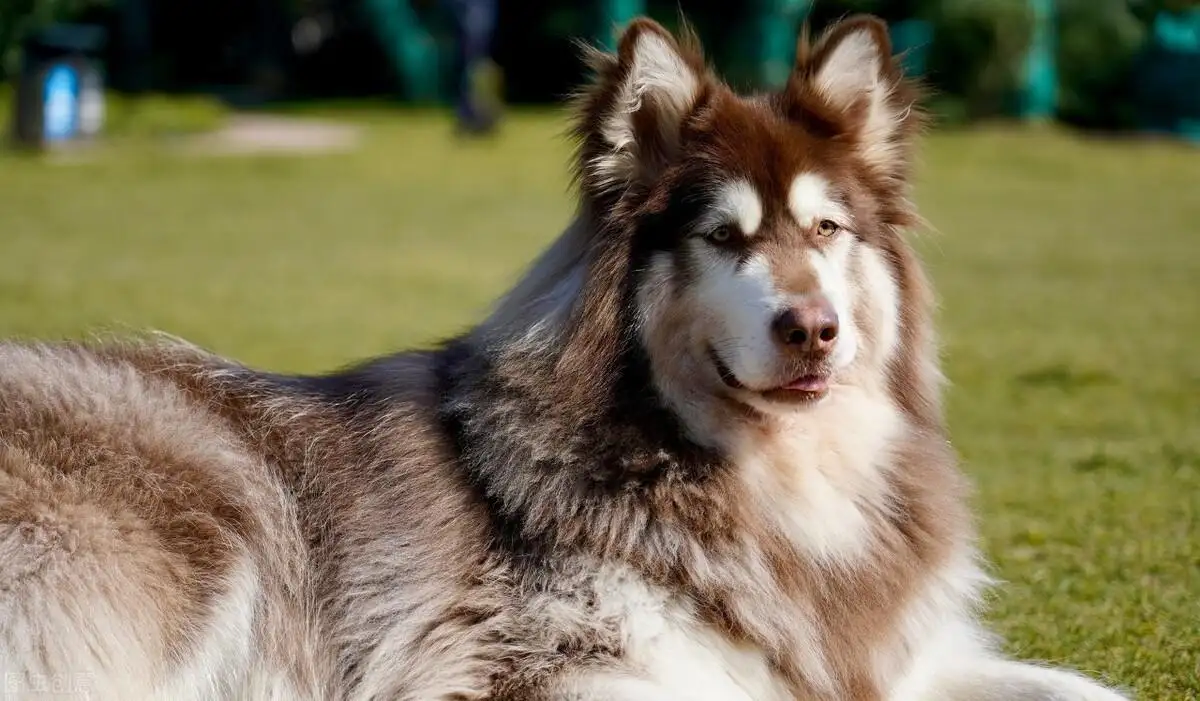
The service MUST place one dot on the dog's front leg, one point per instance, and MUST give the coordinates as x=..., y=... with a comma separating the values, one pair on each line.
x=997, y=679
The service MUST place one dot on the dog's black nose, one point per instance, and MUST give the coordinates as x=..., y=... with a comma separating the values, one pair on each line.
x=811, y=326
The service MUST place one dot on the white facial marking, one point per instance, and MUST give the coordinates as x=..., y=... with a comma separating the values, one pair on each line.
x=881, y=290
x=833, y=274
x=742, y=299
x=736, y=203
x=810, y=201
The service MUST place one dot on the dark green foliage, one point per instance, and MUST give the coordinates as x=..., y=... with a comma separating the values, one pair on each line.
x=976, y=60
x=977, y=56
x=1099, y=42
x=973, y=62
x=19, y=17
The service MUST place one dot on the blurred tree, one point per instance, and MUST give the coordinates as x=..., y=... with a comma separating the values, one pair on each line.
x=977, y=58
x=1166, y=84
x=1098, y=45
x=19, y=17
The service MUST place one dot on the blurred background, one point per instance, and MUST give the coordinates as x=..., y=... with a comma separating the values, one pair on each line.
x=302, y=183
x=1099, y=64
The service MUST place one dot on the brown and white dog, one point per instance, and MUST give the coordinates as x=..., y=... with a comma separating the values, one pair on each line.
x=697, y=454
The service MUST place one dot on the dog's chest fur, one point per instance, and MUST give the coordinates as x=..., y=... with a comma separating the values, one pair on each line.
x=782, y=577
x=665, y=643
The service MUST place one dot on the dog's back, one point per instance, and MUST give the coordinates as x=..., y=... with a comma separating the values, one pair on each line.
x=174, y=527
x=137, y=529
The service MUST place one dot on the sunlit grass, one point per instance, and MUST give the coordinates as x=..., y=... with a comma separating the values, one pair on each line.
x=1069, y=272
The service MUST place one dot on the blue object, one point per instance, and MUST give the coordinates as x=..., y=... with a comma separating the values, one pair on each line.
x=60, y=90
x=60, y=116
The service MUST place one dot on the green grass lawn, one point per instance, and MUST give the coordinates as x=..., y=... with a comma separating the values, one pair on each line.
x=1069, y=273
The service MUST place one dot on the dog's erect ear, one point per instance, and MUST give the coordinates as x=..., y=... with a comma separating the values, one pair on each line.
x=850, y=85
x=630, y=118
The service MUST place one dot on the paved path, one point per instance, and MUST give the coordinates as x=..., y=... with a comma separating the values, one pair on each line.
x=254, y=133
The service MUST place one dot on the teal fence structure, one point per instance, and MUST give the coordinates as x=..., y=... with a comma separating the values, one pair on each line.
x=409, y=46
x=1037, y=91
x=1169, y=75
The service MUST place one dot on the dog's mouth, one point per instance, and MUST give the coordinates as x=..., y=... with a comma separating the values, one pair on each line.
x=809, y=387
x=810, y=384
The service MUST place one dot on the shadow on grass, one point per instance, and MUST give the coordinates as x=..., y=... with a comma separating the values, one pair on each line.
x=1065, y=377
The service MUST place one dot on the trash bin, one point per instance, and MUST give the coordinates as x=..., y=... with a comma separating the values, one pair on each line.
x=60, y=90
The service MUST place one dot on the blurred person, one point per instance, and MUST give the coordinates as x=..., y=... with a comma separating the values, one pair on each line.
x=477, y=107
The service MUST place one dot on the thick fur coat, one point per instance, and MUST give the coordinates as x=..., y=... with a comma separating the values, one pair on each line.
x=696, y=454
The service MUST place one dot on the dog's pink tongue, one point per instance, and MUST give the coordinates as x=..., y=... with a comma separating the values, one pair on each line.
x=808, y=383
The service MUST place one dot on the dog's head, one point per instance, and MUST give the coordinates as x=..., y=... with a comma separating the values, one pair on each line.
x=764, y=231
x=750, y=245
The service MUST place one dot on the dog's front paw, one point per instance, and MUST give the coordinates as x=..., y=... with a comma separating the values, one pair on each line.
x=1003, y=680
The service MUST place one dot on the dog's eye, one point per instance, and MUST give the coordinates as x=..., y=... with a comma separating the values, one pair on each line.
x=722, y=234
x=828, y=227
